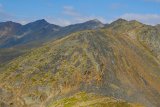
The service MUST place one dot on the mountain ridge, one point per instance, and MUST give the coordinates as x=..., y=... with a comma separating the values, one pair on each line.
x=43, y=30
x=46, y=33
x=100, y=61
x=34, y=34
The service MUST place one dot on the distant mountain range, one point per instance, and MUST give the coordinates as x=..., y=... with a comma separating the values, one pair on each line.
x=12, y=34
x=18, y=39
x=118, y=62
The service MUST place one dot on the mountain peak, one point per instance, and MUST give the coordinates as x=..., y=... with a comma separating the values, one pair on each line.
x=120, y=21
x=94, y=24
x=94, y=21
x=135, y=22
x=41, y=21
x=10, y=23
x=36, y=24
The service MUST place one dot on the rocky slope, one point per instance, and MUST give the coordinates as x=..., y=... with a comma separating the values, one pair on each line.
x=146, y=35
x=107, y=61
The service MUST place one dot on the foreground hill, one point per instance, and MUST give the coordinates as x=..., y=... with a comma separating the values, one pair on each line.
x=105, y=61
x=83, y=99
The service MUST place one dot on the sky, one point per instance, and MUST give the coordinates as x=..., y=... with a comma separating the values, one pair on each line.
x=66, y=12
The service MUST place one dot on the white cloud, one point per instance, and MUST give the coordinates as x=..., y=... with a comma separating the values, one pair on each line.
x=70, y=11
x=75, y=17
x=73, y=20
x=58, y=21
x=22, y=21
x=151, y=19
x=86, y=18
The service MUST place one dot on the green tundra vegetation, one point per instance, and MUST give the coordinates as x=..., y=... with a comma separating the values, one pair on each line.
x=83, y=99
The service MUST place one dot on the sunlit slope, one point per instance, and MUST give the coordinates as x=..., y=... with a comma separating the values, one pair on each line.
x=102, y=61
x=148, y=36
x=83, y=99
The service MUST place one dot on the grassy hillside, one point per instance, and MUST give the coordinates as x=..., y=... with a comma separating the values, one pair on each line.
x=102, y=61
x=83, y=99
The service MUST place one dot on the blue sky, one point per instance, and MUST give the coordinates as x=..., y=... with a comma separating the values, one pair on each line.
x=65, y=12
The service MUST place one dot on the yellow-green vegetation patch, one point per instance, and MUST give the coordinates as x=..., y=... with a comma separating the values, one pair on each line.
x=84, y=99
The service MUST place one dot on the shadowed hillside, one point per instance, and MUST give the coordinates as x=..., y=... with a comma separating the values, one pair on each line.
x=17, y=39
x=13, y=34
